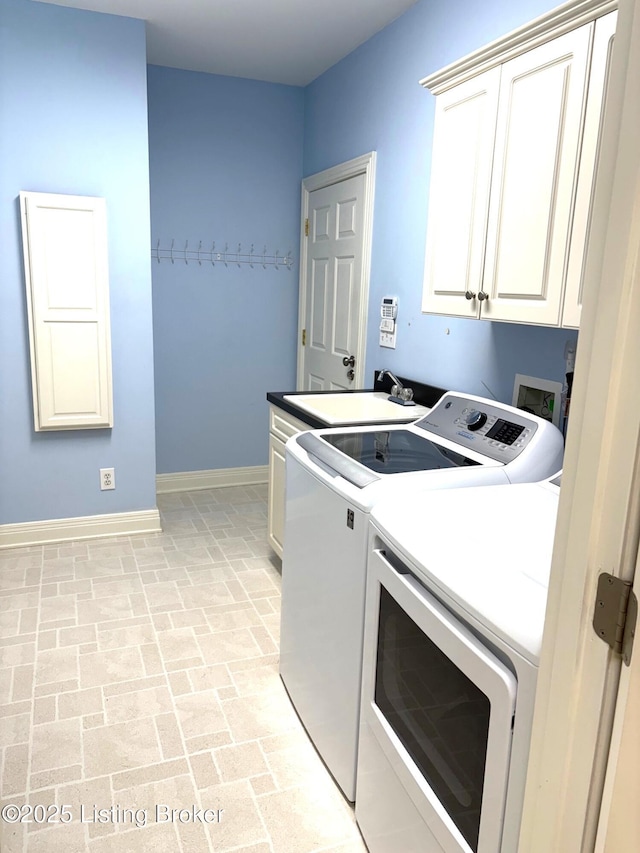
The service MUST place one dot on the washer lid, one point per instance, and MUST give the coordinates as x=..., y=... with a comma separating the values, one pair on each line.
x=487, y=550
x=396, y=451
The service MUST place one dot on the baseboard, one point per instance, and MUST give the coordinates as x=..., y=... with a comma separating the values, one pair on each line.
x=187, y=481
x=84, y=527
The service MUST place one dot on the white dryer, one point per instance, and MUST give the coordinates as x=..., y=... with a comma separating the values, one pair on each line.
x=453, y=629
x=334, y=478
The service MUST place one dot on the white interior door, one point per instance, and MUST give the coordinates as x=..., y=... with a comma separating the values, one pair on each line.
x=619, y=827
x=337, y=207
x=334, y=271
x=599, y=511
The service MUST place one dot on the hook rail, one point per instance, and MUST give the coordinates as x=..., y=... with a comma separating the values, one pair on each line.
x=222, y=256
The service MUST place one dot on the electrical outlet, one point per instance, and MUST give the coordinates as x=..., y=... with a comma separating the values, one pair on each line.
x=107, y=478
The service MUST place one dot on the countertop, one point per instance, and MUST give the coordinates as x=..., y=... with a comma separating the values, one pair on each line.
x=423, y=395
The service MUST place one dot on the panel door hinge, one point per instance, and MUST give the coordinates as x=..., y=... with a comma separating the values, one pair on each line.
x=615, y=614
x=306, y=227
x=304, y=337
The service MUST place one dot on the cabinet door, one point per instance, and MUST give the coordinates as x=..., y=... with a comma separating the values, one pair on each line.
x=282, y=426
x=598, y=77
x=464, y=132
x=276, y=503
x=534, y=177
x=65, y=257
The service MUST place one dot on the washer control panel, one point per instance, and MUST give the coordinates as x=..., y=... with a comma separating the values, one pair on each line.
x=496, y=430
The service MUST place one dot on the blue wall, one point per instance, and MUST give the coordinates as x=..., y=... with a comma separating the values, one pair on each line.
x=225, y=160
x=372, y=101
x=226, y=165
x=73, y=120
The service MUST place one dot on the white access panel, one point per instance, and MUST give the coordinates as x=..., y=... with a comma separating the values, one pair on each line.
x=67, y=279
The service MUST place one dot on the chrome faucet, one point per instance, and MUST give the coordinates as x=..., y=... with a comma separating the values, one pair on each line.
x=397, y=389
x=384, y=372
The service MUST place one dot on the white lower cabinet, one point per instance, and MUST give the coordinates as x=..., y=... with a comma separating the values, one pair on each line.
x=513, y=172
x=281, y=427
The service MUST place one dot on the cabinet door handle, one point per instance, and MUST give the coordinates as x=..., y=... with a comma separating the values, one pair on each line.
x=469, y=294
x=482, y=296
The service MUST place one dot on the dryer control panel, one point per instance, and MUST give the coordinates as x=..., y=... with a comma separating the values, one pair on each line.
x=494, y=429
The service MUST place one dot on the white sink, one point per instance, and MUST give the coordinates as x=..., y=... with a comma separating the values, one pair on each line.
x=366, y=407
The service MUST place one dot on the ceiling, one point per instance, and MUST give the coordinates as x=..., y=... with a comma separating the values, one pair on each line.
x=279, y=41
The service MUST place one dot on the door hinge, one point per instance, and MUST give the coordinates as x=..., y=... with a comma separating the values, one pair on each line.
x=306, y=228
x=615, y=614
x=304, y=337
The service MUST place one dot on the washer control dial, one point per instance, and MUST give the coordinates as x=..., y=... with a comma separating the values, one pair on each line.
x=476, y=420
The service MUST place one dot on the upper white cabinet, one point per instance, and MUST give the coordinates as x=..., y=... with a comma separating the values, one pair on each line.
x=605, y=29
x=460, y=183
x=65, y=257
x=515, y=149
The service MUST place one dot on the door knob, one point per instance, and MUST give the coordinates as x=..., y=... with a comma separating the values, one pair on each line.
x=482, y=296
x=350, y=361
x=351, y=374
x=469, y=294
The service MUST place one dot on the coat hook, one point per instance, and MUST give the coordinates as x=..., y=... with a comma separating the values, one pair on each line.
x=225, y=255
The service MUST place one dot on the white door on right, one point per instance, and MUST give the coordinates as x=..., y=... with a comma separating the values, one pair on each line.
x=535, y=164
x=619, y=826
x=334, y=270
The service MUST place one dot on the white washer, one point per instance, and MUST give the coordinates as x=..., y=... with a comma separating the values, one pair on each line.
x=453, y=630
x=334, y=478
